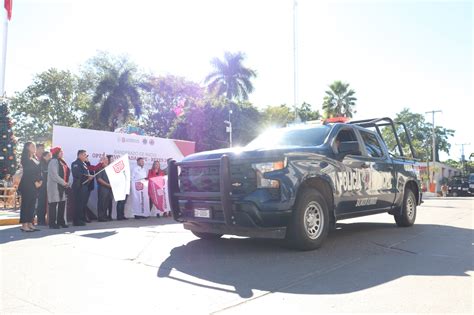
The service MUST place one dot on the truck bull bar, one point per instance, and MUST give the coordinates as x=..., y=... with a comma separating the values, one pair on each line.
x=224, y=194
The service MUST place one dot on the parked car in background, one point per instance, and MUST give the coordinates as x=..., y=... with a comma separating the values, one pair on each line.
x=459, y=186
x=471, y=183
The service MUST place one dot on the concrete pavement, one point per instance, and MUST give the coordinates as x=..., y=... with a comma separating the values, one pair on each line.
x=151, y=266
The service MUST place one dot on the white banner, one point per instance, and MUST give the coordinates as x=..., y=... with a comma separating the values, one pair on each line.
x=118, y=173
x=97, y=143
x=140, y=199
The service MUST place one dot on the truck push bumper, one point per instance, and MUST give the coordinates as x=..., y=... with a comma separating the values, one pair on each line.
x=231, y=220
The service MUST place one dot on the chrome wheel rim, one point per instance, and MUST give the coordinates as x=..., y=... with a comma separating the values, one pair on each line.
x=313, y=220
x=410, y=207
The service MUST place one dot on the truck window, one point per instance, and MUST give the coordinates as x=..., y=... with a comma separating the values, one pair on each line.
x=344, y=135
x=295, y=136
x=372, y=145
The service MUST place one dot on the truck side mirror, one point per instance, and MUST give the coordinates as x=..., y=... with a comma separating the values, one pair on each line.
x=349, y=148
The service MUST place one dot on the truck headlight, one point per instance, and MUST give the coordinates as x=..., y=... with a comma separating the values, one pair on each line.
x=262, y=168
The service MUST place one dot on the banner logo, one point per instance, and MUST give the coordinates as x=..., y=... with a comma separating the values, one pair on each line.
x=119, y=166
x=139, y=186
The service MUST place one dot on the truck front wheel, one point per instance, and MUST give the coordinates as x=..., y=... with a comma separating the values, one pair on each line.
x=207, y=236
x=309, y=223
x=408, y=213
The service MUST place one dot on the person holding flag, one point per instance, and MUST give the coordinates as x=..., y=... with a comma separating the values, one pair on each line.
x=104, y=195
x=140, y=200
x=118, y=174
x=80, y=187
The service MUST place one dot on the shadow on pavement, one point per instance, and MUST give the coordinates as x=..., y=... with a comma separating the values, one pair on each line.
x=355, y=257
x=13, y=233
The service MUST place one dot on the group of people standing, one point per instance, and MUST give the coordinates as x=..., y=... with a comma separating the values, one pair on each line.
x=43, y=183
x=46, y=178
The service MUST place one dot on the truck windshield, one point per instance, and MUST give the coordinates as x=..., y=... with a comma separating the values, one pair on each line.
x=296, y=136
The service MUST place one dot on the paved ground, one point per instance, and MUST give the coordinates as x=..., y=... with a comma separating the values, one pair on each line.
x=154, y=266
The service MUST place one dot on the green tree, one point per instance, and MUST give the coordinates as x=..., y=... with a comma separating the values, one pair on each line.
x=230, y=77
x=195, y=124
x=54, y=98
x=277, y=116
x=166, y=99
x=306, y=113
x=7, y=142
x=114, y=83
x=421, y=136
x=339, y=100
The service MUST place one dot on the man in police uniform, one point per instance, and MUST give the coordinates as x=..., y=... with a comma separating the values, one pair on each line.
x=80, y=187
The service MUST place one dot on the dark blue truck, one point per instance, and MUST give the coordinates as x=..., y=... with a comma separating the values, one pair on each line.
x=294, y=183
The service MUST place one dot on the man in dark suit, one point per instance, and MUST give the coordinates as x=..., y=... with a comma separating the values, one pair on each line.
x=80, y=187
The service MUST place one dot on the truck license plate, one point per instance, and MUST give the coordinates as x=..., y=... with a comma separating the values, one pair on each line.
x=202, y=213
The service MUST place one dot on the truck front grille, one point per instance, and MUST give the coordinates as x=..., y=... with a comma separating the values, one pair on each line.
x=207, y=179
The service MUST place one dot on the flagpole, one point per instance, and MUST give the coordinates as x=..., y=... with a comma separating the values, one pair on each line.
x=4, y=53
x=93, y=176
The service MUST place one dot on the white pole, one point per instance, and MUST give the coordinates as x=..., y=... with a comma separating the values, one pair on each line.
x=230, y=127
x=295, y=62
x=433, y=112
x=4, y=53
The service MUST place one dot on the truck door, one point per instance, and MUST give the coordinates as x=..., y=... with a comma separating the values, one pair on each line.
x=351, y=174
x=381, y=186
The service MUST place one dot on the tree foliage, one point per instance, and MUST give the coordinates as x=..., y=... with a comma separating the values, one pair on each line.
x=166, y=99
x=421, y=135
x=116, y=89
x=230, y=77
x=306, y=113
x=204, y=124
x=339, y=100
x=54, y=98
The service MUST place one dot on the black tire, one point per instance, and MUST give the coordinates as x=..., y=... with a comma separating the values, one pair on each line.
x=301, y=235
x=455, y=194
x=207, y=236
x=408, y=213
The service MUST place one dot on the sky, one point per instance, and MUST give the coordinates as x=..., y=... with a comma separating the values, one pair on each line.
x=394, y=54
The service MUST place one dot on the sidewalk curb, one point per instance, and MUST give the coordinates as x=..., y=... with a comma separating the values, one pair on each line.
x=10, y=221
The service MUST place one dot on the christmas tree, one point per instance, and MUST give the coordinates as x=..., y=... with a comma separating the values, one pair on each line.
x=7, y=143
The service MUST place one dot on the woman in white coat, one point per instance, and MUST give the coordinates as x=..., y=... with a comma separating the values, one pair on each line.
x=58, y=181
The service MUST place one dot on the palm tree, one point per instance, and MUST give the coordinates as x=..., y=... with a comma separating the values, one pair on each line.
x=339, y=100
x=230, y=77
x=117, y=93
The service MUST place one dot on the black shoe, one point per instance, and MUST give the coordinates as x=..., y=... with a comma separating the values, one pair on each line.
x=79, y=223
x=54, y=226
x=138, y=217
x=102, y=220
x=64, y=226
x=109, y=218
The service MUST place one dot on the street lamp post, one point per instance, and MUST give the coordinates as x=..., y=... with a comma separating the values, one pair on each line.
x=229, y=128
x=433, y=112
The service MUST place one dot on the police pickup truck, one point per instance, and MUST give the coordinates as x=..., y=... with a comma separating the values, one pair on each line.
x=294, y=183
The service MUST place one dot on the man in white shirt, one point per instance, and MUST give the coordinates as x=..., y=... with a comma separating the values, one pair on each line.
x=139, y=171
x=140, y=199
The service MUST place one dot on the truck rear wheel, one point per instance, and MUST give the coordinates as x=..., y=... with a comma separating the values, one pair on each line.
x=408, y=213
x=207, y=236
x=309, y=223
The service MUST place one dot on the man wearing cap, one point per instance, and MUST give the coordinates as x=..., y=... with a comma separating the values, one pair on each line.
x=80, y=187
